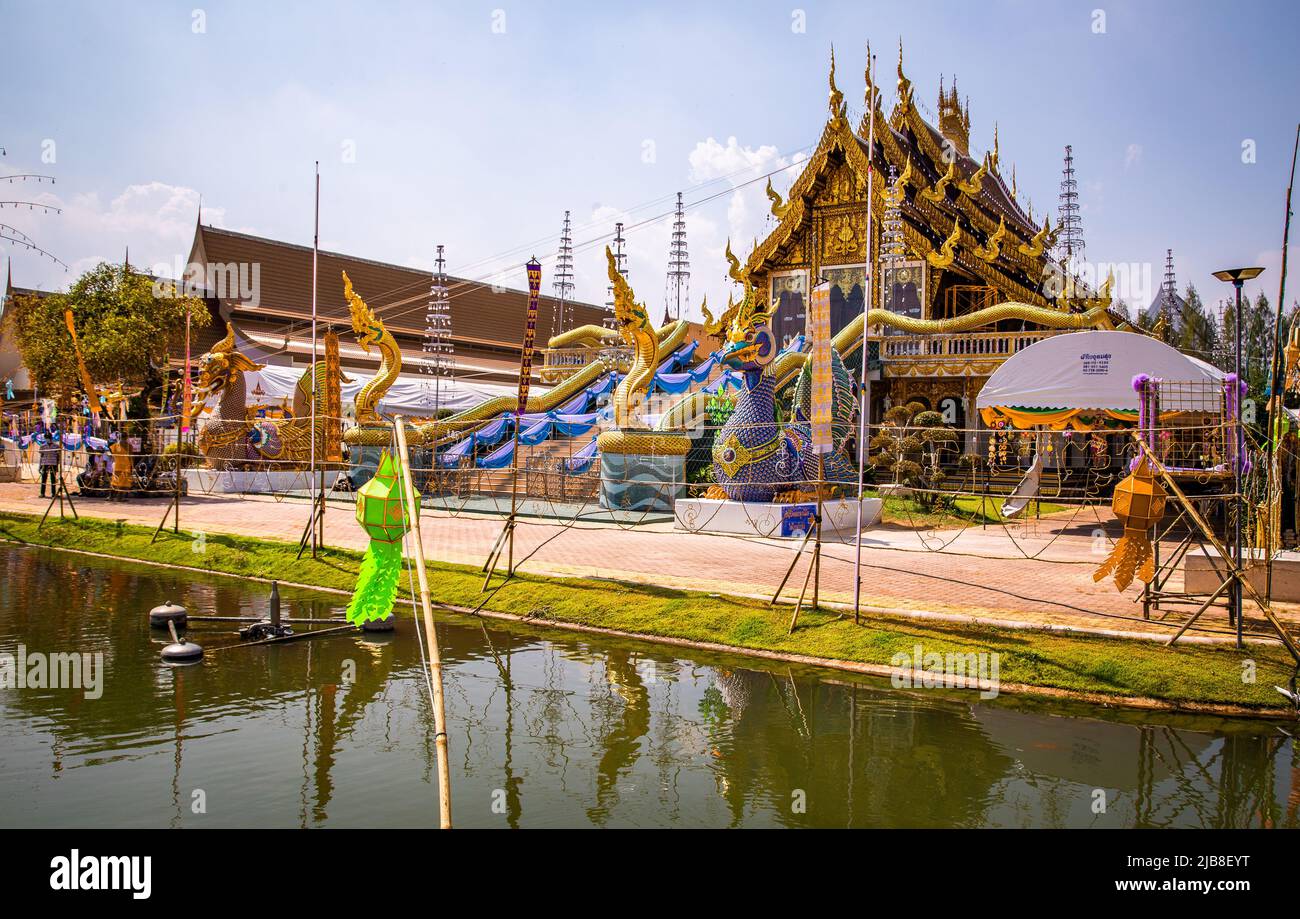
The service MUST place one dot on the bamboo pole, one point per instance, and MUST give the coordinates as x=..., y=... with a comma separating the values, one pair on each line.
x=430, y=636
x=864, y=391
x=1276, y=386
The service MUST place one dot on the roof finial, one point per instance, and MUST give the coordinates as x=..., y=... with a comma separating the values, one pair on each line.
x=869, y=90
x=941, y=92
x=836, y=97
x=995, y=145
x=904, y=84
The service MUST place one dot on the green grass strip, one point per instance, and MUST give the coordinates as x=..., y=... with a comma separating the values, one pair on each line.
x=1187, y=673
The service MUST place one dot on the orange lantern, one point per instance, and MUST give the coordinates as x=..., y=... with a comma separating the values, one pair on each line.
x=1139, y=503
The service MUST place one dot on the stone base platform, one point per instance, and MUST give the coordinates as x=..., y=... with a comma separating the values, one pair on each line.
x=641, y=482
x=1200, y=577
x=788, y=521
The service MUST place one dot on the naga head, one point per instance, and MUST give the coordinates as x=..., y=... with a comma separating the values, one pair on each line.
x=750, y=345
x=220, y=366
x=630, y=315
x=365, y=324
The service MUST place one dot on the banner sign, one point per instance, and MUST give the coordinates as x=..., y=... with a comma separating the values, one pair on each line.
x=819, y=333
x=797, y=519
x=333, y=400
x=530, y=333
x=186, y=393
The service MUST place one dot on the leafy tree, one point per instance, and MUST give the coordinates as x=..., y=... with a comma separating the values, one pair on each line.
x=1198, y=333
x=122, y=328
x=908, y=446
x=1257, y=344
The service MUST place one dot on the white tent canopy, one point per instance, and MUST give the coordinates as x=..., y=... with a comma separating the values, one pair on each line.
x=1094, y=370
x=409, y=395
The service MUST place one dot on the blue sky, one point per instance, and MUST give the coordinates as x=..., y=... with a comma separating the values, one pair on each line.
x=477, y=125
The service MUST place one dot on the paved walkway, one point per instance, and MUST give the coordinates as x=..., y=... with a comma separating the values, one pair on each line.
x=1029, y=572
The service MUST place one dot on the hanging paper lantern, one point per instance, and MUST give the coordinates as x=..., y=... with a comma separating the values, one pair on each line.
x=381, y=511
x=1139, y=503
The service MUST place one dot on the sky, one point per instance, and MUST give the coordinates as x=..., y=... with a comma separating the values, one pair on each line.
x=477, y=125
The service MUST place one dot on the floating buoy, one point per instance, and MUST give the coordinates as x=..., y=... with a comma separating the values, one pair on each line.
x=171, y=612
x=181, y=652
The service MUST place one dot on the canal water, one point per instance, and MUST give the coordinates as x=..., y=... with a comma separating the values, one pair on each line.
x=565, y=731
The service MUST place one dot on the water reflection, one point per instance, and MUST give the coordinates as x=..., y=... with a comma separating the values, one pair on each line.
x=557, y=731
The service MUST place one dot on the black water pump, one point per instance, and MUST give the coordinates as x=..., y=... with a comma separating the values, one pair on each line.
x=271, y=627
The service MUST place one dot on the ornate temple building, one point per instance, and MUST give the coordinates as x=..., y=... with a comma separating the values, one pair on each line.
x=955, y=240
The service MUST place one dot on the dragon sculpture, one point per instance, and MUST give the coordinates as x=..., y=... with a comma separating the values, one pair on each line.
x=231, y=440
x=758, y=459
x=755, y=456
x=639, y=334
x=371, y=429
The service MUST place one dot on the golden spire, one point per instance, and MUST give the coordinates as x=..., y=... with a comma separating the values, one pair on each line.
x=951, y=124
x=904, y=84
x=1015, y=192
x=869, y=90
x=836, y=97
x=995, y=145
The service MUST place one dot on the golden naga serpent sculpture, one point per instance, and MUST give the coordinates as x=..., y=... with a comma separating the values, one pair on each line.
x=634, y=325
x=639, y=334
x=372, y=333
x=849, y=339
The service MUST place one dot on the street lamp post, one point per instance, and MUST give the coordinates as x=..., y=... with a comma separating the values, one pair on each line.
x=1237, y=277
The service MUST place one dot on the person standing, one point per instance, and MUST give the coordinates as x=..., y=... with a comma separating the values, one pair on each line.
x=51, y=450
x=121, y=477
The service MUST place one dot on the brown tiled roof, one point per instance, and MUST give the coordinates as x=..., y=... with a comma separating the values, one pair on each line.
x=398, y=294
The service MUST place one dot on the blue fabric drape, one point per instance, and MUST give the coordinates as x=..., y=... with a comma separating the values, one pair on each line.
x=574, y=425
x=452, y=456
x=581, y=461
x=681, y=357
x=493, y=432
x=673, y=383
x=728, y=379
x=536, y=432
x=498, y=458
x=701, y=371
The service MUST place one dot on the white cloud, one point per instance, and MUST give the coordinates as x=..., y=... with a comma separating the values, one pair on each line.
x=748, y=215
x=1132, y=155
x=154, y=220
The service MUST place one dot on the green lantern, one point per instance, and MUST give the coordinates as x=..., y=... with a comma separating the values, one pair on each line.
x=381, y=511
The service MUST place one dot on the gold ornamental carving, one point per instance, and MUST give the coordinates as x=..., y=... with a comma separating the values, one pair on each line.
x=844, y=237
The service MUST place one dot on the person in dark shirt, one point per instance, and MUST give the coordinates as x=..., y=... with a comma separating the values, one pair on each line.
x=51, y=448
